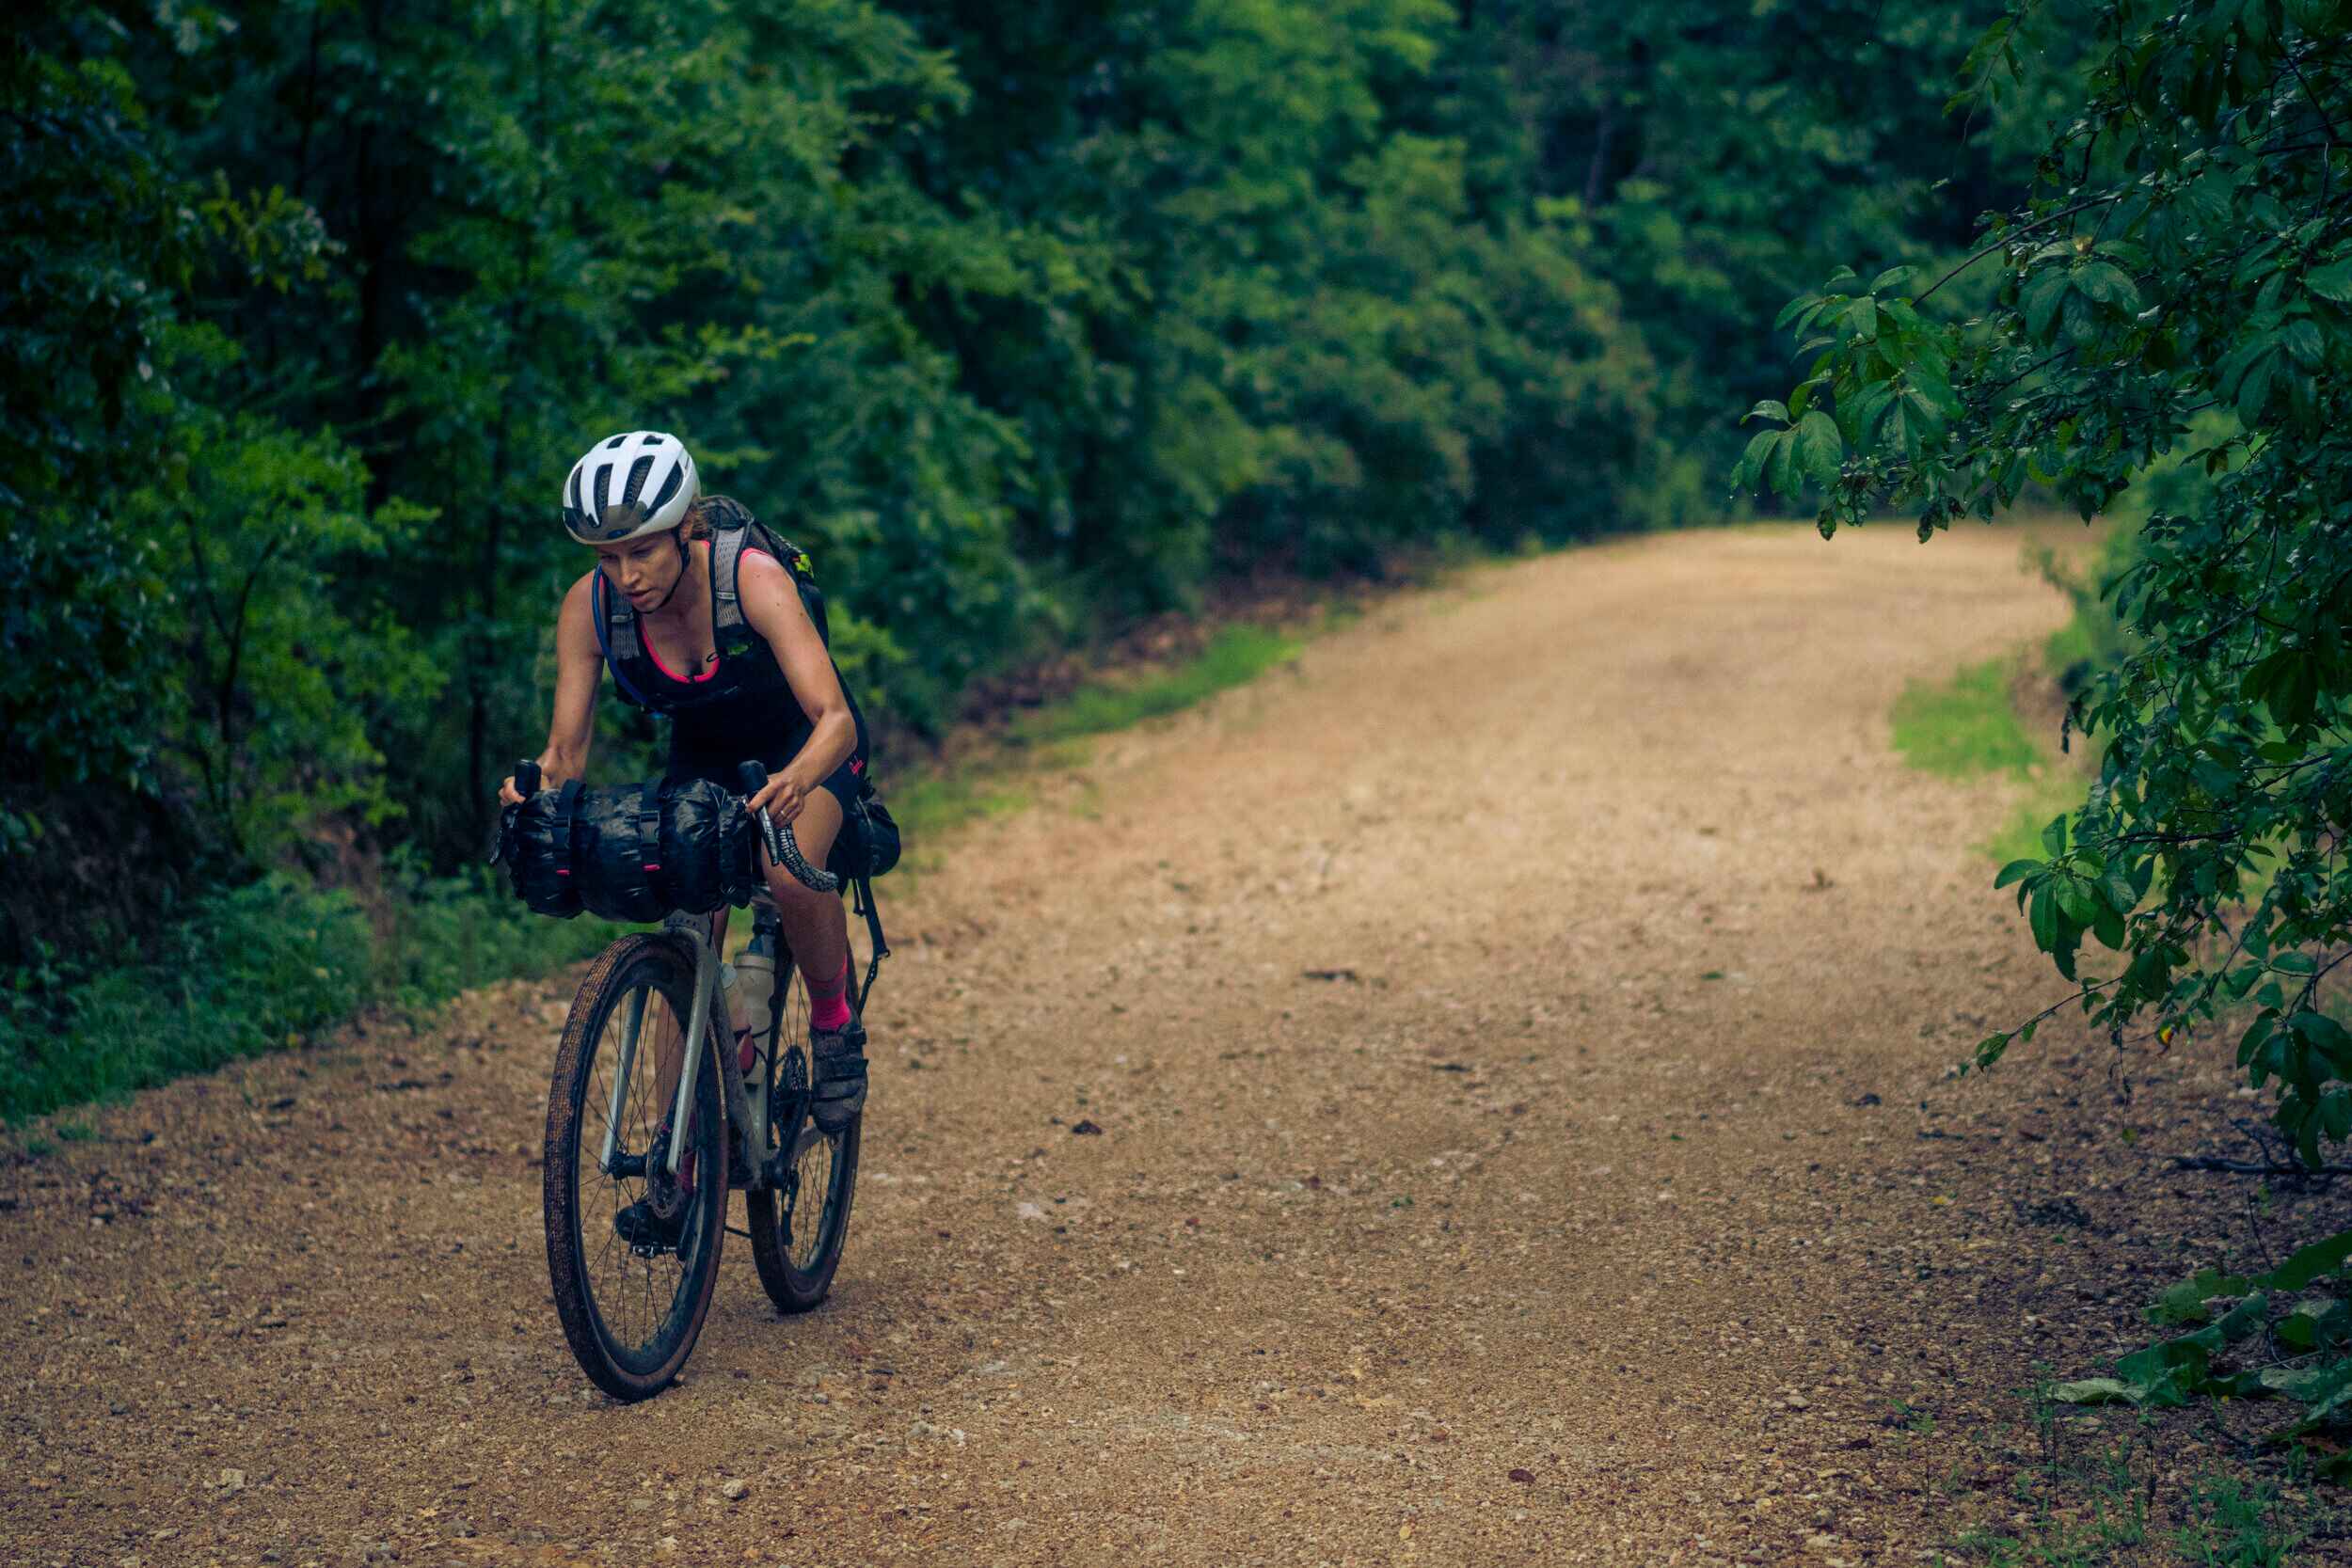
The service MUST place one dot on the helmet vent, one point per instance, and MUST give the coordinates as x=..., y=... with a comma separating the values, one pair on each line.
x=669, y=487
x=637, y=472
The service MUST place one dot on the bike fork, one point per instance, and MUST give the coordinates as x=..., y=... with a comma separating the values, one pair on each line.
x=697, y=1041
x=620, y=1080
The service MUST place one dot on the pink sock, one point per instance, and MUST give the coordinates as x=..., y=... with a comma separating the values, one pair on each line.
x=829, y=1003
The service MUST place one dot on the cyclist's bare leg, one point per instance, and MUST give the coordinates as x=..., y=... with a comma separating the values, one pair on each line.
x=816, y=926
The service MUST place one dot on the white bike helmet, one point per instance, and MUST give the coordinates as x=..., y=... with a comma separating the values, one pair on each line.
x=641, y=482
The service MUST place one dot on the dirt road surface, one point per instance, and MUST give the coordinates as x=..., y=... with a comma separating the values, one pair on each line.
x=1519, y=1037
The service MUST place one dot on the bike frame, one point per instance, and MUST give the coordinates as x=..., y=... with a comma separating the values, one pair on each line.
x=747, y=1119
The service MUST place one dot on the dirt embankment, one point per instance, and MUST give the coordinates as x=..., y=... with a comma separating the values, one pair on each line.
x=1518, y=1035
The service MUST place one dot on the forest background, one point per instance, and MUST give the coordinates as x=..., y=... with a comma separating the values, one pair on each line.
x=1025, y=321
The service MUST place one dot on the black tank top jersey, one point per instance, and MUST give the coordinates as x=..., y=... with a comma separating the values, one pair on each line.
x=765, y=721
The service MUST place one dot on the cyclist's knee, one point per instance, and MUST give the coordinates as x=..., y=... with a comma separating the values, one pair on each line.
x=787, y=891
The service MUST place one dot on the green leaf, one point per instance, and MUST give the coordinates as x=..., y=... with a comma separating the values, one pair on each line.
x=2293, y=699
x=2115, y=885
x=1891, y=277
x=2099, y=1390
x=2109, y=285
x=1769, y=408
x=1749, y=475
x=2328, y=1395
x=2305, y=343
x=2335, y=1113
x=2044, y=296
x=2332, y=282
x=2245, y=1318
x=1780, y=472
x=2016, y=871
x=2309, y=1263
x=2168, y=1373
x=1795, y=308
x=2252, y=395
x=2041, y=918
x=2184, y=1303
x=2054, y=835
x=2299, y=1329
x=1819, y=447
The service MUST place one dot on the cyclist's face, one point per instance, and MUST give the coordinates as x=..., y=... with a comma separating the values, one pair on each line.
x=644, y=568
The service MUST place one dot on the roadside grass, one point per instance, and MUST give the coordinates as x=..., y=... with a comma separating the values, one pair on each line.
x=1967, y=726
x=1235, y=656
x=258, y=969
x=1964, y=726
x=996, y=780
x=932, y=803
x=2128, y=1502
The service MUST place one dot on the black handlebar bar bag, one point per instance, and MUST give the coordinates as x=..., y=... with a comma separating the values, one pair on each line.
x=632, y=854
x=618, y=844
x=706, y=848
x=539, y=852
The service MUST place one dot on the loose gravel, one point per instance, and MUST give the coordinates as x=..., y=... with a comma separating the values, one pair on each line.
x=1479, y=1095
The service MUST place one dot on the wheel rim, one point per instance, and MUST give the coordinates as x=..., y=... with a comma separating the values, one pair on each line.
x=639, y=1301
x=810, y=1209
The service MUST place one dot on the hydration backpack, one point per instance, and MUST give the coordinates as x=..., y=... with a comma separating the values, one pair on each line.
x=746, y=663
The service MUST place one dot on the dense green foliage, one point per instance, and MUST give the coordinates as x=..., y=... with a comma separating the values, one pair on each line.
x=1023, y=322
x=2172, y=314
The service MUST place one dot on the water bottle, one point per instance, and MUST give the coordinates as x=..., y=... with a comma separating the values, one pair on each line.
x=755, y=987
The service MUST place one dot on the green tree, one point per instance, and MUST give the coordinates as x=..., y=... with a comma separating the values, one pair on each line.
x=2178, y=287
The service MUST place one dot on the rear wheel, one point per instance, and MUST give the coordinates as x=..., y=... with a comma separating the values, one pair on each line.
x=799, y=1223
x=632, y=1293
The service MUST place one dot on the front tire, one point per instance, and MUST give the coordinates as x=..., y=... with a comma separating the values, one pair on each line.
x=631, y=1314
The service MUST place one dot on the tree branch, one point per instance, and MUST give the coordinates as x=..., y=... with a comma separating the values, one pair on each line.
x=2010, y=235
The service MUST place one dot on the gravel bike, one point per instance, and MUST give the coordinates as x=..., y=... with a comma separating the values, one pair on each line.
x=632, y=1305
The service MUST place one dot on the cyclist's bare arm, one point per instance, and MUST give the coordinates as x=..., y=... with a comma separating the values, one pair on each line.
x=773, y=607
x=579, y=668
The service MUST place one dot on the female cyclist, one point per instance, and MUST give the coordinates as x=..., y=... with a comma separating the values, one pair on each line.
x=635, y=501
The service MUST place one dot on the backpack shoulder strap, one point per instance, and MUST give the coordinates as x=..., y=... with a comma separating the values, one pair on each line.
x=729, y=530
x=615, y=620
x=734, y=530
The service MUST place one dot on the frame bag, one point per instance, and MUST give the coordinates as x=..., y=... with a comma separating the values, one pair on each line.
x=869, y=844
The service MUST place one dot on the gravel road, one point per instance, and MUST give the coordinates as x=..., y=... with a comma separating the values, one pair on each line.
x=1476, y=1096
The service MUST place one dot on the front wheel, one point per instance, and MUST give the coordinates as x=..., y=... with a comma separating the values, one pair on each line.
x=632, y=1248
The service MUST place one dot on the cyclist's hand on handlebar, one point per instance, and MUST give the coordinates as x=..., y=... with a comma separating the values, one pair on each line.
x=783, y=798
x=508, y=794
